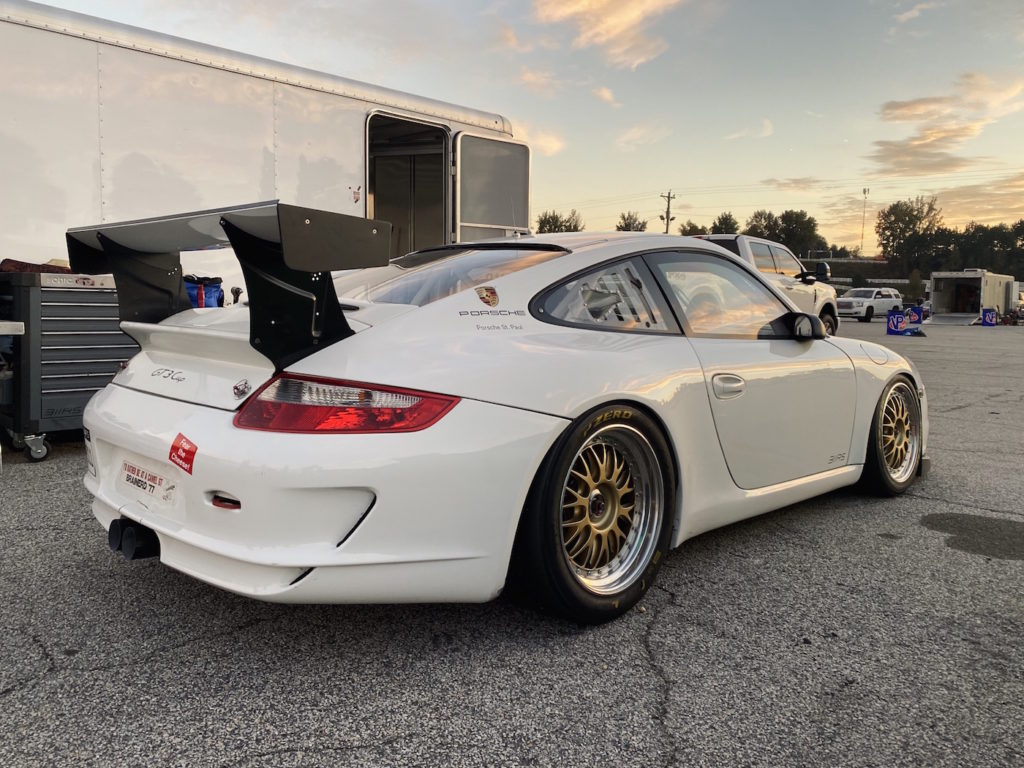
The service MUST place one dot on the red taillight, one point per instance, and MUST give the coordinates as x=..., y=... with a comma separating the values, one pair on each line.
x=291, y=403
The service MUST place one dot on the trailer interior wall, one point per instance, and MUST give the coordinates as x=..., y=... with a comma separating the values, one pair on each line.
x=956, y=295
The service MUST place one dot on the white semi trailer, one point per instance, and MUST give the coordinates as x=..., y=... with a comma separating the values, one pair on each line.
x=105, y=122
x=959, y=297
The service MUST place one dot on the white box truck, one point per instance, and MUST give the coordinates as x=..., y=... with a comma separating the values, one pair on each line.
x=957, y=298
x=105, y=122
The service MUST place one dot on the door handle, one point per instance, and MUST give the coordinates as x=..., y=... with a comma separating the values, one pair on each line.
x=727, y=386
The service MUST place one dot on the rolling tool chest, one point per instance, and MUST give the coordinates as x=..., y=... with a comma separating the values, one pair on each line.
x=71, y=348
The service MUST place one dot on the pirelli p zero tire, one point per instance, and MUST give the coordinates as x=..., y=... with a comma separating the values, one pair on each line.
x=599, y=519
x=895, y=442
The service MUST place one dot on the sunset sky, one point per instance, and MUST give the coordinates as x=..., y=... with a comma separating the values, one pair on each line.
x=734, y=105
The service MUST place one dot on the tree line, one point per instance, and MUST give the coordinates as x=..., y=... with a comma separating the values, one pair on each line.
x=912, y=236
x=797, y=230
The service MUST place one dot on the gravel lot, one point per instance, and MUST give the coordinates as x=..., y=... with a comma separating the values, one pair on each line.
x=845, y=631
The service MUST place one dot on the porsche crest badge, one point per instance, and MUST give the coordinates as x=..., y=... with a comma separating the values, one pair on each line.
x=487, y=295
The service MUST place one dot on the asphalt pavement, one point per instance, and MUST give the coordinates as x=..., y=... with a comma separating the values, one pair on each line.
x=844, y=631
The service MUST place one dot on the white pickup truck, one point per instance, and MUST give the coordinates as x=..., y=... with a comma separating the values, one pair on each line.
x=810, y=291
x=865, y=303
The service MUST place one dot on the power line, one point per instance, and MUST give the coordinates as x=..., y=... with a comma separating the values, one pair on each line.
x=668, y=218
x=822, y=185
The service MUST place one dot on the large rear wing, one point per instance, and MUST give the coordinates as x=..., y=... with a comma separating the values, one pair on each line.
x=286, y=254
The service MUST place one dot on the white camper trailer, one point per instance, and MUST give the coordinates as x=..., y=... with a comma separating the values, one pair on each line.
x=102, y=122
x=958, y=297
x=105, y=122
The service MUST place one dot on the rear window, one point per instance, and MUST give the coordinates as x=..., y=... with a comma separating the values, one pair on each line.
x=456, y=273
x=729, y=245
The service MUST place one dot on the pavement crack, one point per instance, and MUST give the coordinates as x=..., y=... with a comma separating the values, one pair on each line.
x=664, y=683
x=51, y=667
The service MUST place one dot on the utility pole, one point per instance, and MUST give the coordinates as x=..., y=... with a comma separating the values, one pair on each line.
x=863, y=218
x=668, y=217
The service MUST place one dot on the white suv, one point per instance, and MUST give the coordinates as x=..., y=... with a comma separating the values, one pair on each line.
x=865, y=303
x=808, y=290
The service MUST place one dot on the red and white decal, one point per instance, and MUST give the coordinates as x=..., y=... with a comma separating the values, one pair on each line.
x=183, y=452
x=144, y=483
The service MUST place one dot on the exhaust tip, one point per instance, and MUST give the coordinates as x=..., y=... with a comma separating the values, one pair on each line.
x=138, y=541
x=114, y=534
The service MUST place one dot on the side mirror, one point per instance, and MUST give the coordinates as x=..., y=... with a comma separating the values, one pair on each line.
x=805, y=327
x=807, y=278
x=823, y=272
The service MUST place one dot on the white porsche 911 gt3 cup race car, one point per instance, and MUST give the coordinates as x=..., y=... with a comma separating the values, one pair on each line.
x=549, y=413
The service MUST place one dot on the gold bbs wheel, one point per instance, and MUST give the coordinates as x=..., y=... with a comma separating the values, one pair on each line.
x=611, y=509
x=900, y=432
x=897, y=440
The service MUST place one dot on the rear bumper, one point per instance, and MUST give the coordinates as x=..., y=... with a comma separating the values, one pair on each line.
x=422, y=516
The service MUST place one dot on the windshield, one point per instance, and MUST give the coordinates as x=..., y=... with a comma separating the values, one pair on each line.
x=459, y=272
x=861, y=293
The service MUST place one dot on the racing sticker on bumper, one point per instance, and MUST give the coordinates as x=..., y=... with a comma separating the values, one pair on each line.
x=183, y=453
x=145, y=484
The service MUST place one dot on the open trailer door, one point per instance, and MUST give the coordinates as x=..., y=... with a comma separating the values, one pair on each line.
x=492, y=187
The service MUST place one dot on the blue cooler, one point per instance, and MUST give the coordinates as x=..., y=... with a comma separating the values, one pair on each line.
x=204, y=291
x=989, y=316
x=915, y=315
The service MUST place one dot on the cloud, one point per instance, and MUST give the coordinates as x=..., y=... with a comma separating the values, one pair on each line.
x=642, y=135
x=913, y=13
x=605, y=94
x=317, y=33
x=766, y=130
x=927, y=108
x=619, y=28
x=793, y=184
x=510, y=40
x=944, y=125
x=997, y=201
x=541, y=82
x=544, y=142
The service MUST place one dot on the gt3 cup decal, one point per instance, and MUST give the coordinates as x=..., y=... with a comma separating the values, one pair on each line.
x=487, y=295
x=183, y=453
x=169, y=373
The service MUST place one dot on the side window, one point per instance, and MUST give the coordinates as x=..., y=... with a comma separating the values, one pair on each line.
x=878, y=294
x=614, y=297
x=786, y=262
x=716, y=298
x=762, y=257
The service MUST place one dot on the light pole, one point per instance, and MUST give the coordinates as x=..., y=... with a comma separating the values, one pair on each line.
x=863, y=219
